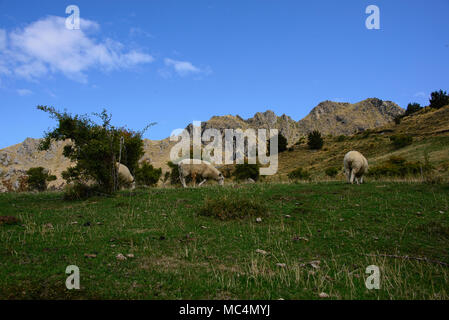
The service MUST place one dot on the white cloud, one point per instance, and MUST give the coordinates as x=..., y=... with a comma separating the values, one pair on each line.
x=2, y=39
x=135, y=32
x=420, y=94
x=24, y=92
x=183, y=68
x=47, y=47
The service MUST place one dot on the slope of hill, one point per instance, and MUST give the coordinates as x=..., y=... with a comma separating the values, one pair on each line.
x=429, y=129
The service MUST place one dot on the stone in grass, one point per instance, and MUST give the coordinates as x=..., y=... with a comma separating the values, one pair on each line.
x=120, y=257
x=298, y=238
x=48, y=226
x=323, y=295
x=261, y=251
x=281, y=265
x=315, y=264
x=90, y=255
x=130, y=255
x=258, y=219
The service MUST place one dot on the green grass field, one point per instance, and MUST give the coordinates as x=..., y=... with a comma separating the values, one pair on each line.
x=179, y=254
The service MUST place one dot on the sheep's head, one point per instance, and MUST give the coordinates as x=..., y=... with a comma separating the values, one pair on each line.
x=220, y=179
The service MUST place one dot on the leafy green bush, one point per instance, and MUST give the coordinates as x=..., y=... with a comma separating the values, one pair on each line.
x=412, y=108
x=37, y=178
x=399, y=167
x=146, y=175
x=439, y=99
x=233, y=207
x=315, y=140
x=174, y=173
x=282, y=144
x=299, y=174
x=245, y=171
x=95, y=148
x=401, y=141
x=166, y=176
x=331, y=172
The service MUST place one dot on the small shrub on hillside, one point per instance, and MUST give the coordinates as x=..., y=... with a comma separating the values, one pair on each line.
x=146, y=175
x=439, y=99
x=79, y=191
x=341, y=138
x=38, y=178
x=245, y=171
x=397, y=119
x=430, y=174
x=412, y=108
x=365, y=134
x=174, y=173
x=401, y=141
x=331, y=172
x=315, y=140
x=299, y=174
x=399, y=167
x=230, y=208
x=282, y=144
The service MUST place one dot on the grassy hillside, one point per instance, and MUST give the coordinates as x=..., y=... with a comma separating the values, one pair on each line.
x=429, y=129
x=317, y=238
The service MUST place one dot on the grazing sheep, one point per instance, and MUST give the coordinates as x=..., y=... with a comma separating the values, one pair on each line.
x=125, y=175
x=203, y=169
x=356, y=166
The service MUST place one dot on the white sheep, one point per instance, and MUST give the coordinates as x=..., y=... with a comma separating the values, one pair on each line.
x=202, y=169
x=125, y=175
x=356, y=166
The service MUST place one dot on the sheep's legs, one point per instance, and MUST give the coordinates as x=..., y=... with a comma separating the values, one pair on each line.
x=202, y=182
x=352, y=176
x=194, y=179
x=182, y=179
x=348, y=175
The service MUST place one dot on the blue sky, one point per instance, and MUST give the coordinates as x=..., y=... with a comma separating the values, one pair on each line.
x=173, y=62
